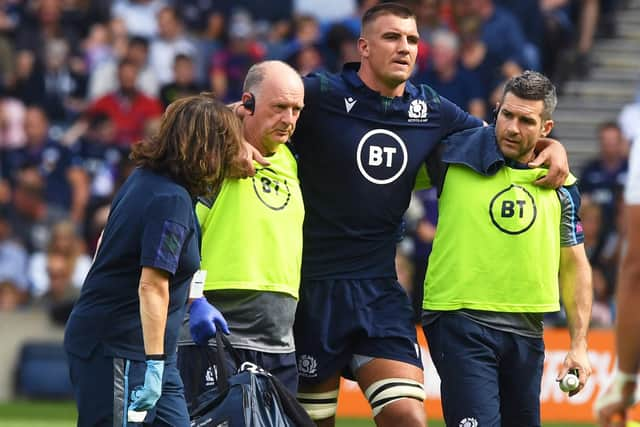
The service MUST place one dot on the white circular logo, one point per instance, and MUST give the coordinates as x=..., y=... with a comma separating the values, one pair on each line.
x=468, y=422
x=381, y=156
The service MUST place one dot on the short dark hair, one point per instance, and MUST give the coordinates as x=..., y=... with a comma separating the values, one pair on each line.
x=139, y=41
x=386, y=9
x=608, y=125
x=198, y=142
x=533, y=86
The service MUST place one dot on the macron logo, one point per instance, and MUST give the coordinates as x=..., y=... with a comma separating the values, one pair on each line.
x=349, y=103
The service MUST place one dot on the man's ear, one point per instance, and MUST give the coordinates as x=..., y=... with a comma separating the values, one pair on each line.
x=363, y=47
x=546, y=127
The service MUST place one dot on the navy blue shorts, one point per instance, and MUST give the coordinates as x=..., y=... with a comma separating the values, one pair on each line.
x=487, y=375
x=337, y=319
x=102, y=388
x=197, y=368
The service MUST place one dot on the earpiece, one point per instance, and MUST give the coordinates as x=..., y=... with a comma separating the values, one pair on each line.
x=250, y=103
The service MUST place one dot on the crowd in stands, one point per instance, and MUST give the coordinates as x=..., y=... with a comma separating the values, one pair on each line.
x=81, y=81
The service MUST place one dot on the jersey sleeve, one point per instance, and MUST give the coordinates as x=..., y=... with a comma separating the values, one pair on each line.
x=166, y=228
x=632, y=188
x=571, y=232
x=455, y=119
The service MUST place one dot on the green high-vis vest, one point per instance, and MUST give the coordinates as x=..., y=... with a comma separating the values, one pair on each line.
x=252, y=235
x=497, y=245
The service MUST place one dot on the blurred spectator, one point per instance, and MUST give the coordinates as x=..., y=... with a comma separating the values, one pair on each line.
x=11, y=296
x=12, y=112
x=65, y=83
x=184, y=82
x=601, y=313
x=209, y=43
x=46, y=22
x=353, y=22
x=591, y=215
x=13, y=256
x=27, y=83
x=449, y=79
x=570, y=23
x=6, y=60
x=503, y=35
x=604, y=175
x=97, y=47
x=101, y=158
x=66, y=186
x=170, y=41
x=629, y=118
x=429, y=18
x=61, y=294
x=488, y=66
x=29, y=215
x=104, y=79
x=197, y=13
x=120, y=38
x=588, y=21
x=306, y=32
x=127, y=107
x=331, y=10
x=66, y=244
x=530, y=19
x=557, y=39
x=139, y=16
x=342, y=47
x=307, y=59
x=230, y=65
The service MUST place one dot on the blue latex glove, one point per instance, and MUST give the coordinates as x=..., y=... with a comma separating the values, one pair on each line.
x=203, y=319
x=145, y=397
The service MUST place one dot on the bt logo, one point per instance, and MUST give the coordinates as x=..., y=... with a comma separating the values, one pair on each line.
x=381, y=156
x=513, y=210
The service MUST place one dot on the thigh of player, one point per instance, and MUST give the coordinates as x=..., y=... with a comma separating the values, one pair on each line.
x=324, y=329
x=387, y=361
x=465, y=355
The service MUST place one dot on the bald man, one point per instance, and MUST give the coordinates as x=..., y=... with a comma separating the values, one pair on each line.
x=252, y=243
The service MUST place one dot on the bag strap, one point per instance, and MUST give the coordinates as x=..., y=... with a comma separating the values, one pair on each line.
x=224, y=347
x=290, y=405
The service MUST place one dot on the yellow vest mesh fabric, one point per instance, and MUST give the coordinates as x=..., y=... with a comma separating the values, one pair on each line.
x=497, y=245
x=252, y=236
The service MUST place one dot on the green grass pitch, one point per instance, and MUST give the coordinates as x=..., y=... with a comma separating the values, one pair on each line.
x=63, y=414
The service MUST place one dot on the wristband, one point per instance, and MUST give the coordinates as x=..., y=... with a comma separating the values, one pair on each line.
x=155, y=357
x=197, y=284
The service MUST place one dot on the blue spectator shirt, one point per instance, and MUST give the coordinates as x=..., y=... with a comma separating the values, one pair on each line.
x=359, y=154
x=152, y=224
x=53, y=160
x=463, y=88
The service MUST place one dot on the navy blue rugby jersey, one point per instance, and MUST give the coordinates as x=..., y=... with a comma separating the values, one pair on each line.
x=359, y=153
